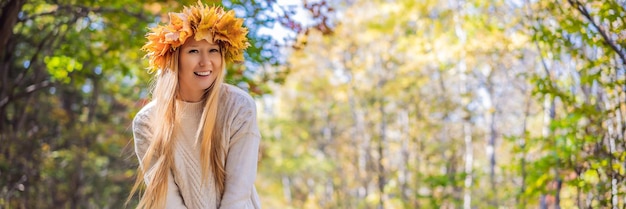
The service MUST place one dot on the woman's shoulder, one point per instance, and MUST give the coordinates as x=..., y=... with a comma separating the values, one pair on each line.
x=144, y=113
x=237, y=97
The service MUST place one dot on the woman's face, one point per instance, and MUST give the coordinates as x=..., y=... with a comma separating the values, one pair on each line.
x=198, y=63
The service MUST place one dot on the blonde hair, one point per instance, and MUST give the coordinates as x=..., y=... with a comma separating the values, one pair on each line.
x=210, y=136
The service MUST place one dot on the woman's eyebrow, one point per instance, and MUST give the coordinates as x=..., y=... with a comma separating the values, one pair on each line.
x=196, y=45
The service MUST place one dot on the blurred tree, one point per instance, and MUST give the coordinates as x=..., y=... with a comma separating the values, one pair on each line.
x=387, y=102
x=414, y=107
x=582, y=85
x=411, y=102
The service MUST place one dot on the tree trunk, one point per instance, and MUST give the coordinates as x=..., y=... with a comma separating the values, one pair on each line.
x=549, y=114
x=522, y=144
x=330, y=153
x=361, y=140
x=469, y=162
x=287, y=188
x=465, y=101
x=612, y=137
x=9, y=19
x=491, y=142
x=380, y=150
x=404, y=152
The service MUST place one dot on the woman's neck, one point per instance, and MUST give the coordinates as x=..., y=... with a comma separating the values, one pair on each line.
x=192, y=97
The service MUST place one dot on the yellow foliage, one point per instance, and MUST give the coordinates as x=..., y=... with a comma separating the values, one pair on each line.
x=204, y=23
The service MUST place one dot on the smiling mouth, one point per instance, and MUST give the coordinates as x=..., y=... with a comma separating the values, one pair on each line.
x=203, y=73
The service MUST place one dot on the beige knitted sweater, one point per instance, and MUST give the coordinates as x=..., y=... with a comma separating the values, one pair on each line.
x=185, y=188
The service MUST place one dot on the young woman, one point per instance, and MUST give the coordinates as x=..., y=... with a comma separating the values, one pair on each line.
x=197, y=140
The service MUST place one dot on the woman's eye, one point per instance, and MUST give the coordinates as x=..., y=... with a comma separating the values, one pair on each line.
x=193, y=51
x=214, y=50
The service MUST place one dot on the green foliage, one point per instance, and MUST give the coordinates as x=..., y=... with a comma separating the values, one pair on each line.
x=59, y=67
x=583, y=142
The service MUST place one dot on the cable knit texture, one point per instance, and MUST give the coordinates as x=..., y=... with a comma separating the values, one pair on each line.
x=242, y=137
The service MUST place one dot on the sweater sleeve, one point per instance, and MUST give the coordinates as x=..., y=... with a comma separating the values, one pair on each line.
x=174, y=199
x=241, y=160
x=142, y=134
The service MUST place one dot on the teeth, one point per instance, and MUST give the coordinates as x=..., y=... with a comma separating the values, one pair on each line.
x=205, y=73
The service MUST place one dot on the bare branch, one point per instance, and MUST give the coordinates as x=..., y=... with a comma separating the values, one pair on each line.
x=20, y=78
x=83, y=11
x=583, y=10
x=29, y=89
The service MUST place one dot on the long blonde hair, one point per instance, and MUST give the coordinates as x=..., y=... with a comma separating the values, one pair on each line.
x=210, y=136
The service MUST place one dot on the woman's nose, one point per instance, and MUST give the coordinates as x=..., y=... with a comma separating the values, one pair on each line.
x=203, y=60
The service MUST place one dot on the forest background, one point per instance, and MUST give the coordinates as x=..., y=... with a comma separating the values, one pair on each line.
x=362, y=104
